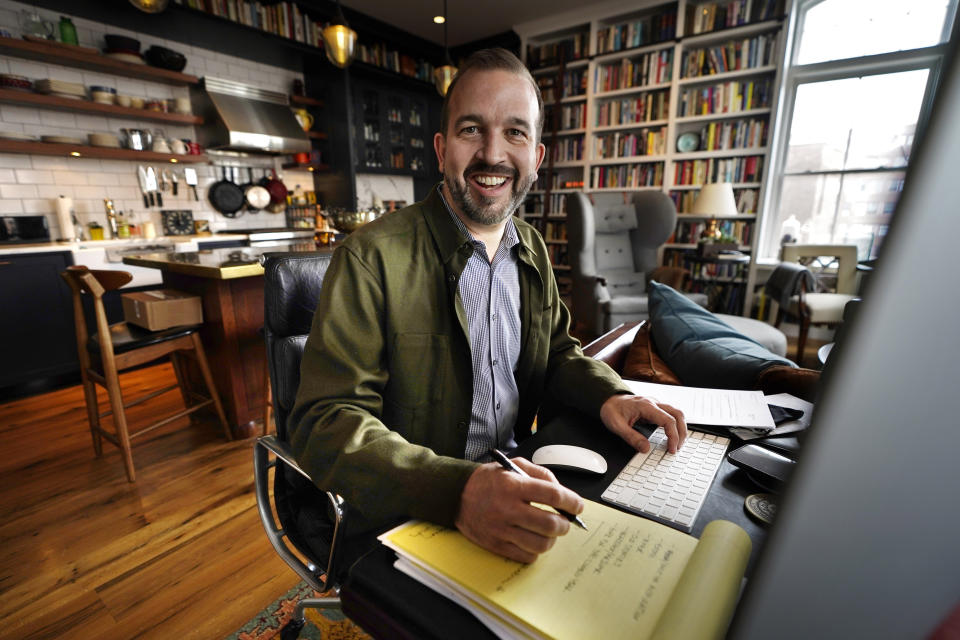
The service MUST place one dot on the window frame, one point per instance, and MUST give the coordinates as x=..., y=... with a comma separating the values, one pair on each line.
x=794, y=75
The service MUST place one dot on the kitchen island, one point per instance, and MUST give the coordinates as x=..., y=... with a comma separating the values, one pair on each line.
x=230, y=285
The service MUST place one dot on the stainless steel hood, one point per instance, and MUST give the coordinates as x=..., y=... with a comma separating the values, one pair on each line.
x=239, y=117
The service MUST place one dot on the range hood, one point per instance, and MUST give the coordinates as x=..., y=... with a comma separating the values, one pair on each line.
x=238, y=117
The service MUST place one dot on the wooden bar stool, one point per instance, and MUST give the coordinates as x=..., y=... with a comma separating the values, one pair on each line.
x=114, y=348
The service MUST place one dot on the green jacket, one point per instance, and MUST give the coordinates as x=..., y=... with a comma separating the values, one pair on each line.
x=386, y=381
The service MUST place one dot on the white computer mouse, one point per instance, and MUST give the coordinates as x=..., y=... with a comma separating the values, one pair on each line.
x=569, y=457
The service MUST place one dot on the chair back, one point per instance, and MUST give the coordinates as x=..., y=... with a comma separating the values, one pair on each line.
x=614, y=236
x=83, y=281
x=292, y=283
x=845, y=254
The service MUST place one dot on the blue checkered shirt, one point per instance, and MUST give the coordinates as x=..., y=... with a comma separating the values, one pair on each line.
x=490, y=293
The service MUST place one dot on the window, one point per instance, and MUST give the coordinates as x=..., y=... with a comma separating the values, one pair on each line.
x=858, y=85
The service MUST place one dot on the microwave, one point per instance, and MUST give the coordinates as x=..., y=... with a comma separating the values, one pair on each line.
x=24, y=229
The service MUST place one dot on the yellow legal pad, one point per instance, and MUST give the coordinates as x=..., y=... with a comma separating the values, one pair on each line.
x=627, y=577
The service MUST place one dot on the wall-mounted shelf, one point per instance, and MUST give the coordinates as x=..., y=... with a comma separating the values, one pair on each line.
x=84, y=151
x=306, y=166
x=306, y=101
x=12, y=96
x=81, y=58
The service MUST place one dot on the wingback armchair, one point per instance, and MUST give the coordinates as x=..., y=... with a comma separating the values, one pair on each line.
x=612, y=248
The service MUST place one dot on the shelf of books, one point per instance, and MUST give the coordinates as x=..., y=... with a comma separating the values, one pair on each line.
x=667, y=97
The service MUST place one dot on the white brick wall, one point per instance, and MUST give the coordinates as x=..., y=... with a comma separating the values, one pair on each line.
x=29, y=184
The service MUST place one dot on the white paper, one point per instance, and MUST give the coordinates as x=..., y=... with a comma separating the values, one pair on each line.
x=718, y=407
x=784, y=428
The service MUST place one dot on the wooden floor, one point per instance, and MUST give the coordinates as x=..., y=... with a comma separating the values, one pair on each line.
x=180, y=553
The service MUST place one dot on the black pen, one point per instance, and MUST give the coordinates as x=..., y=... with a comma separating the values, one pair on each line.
x=508, y=464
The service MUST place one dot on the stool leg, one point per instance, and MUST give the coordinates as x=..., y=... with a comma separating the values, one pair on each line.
x=93, y=412
x=178, y=370
x=211, y=387
x=120, y=420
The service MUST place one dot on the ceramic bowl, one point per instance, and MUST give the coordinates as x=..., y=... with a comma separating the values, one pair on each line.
x=102, y=97
x=115, y=41
x=165, y=58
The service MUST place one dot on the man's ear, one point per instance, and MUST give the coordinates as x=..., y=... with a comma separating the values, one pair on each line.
x=440, y=147
x=541, y=153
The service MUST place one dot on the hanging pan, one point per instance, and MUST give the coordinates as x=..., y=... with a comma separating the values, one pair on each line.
x=278, y=193
x=256, y=196
x=226, y=196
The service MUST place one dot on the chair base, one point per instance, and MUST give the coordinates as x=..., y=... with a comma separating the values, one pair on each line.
x=291, y=630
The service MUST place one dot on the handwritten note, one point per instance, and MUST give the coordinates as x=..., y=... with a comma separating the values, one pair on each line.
x=611, y=582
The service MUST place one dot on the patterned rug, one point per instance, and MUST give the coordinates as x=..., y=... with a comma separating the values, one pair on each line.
x=328, y=624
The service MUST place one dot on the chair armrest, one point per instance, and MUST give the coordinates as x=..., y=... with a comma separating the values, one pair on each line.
x=317, y=579
x=612, y=347
x=601, y=281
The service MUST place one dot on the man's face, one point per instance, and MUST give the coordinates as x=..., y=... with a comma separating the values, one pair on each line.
x=489, y=156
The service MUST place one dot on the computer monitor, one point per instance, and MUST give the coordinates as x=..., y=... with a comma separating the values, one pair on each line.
x=867, y=538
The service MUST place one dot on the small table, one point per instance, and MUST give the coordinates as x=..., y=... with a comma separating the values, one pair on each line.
x=733, y=266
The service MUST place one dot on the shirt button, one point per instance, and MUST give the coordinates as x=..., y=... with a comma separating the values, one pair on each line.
x=498, y=406
x=452, y=278
x=494, y=362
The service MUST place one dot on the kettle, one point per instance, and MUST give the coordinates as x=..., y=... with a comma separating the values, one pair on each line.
x=137, y=139
x=304, y=117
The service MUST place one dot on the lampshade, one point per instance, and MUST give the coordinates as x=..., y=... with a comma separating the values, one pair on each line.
x=715, y=200
x=339, y=42
x=443, y=76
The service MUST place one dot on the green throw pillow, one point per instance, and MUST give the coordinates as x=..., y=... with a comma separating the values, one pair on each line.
x=700, y=348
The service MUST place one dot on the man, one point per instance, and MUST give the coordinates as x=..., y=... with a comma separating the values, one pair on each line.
x=440, y=331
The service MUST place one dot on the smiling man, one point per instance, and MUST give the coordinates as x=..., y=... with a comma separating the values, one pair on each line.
x=440, y=332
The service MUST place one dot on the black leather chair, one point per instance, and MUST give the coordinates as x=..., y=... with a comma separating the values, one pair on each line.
x=310, y=520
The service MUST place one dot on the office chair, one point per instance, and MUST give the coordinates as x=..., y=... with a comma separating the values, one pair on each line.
x=292, y=282
x=805, y=297
x=114, y=348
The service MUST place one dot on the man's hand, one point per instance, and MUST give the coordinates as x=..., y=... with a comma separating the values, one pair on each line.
x=495, y=510
x=621, y=411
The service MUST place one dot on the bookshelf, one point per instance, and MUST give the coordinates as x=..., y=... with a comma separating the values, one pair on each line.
x=669, y=97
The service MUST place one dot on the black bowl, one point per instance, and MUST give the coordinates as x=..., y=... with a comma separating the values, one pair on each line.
x=165, y=58
x=122, y=42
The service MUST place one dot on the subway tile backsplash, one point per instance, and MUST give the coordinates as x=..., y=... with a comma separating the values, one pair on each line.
x=30, y=184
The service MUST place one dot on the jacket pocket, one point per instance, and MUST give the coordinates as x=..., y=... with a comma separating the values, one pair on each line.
x=418, y=369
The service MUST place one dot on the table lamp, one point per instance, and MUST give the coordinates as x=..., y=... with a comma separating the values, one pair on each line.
x=715, y=200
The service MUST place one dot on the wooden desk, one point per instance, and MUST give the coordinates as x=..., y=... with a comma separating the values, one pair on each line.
x=388, y=604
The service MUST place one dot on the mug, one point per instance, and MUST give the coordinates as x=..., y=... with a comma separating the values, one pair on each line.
x=304, y=117
x=194, y=149
x=160, y=144
x=177, y=146
x=182, y=105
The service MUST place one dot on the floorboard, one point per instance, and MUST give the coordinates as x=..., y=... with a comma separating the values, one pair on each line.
x=180, y=553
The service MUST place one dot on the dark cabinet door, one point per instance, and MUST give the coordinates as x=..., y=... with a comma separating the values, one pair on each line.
x=392, y=133
x=36, y=325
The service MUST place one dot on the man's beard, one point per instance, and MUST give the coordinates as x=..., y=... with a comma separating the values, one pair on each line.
x=484, y=210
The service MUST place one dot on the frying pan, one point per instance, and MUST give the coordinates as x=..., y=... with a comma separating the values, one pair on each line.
x=278, y=190
x=226, y=196
x=256, y=197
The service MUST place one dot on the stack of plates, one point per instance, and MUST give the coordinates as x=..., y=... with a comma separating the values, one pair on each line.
x=125, y=55
x=60, y=88
x=62, y=139
x=16, y=135
x=104, y=140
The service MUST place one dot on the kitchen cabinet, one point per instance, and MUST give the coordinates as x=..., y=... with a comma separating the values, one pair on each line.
x=37, y=320
x=392, y=131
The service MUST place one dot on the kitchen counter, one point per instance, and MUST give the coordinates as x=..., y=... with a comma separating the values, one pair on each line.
x=230, y=285
x=218, y=264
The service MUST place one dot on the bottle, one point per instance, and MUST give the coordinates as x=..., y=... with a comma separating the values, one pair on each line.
x=68, y=32
x=123, y=228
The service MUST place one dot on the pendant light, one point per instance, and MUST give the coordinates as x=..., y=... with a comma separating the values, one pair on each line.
x=339, y=40
x=443, y=75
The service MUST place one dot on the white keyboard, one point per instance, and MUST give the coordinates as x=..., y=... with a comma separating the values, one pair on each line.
x=669, y=488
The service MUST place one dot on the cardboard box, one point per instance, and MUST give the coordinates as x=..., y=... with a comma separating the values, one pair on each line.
x=161, y=309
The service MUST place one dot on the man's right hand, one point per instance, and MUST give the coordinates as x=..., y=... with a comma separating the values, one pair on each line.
x=495, y=510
